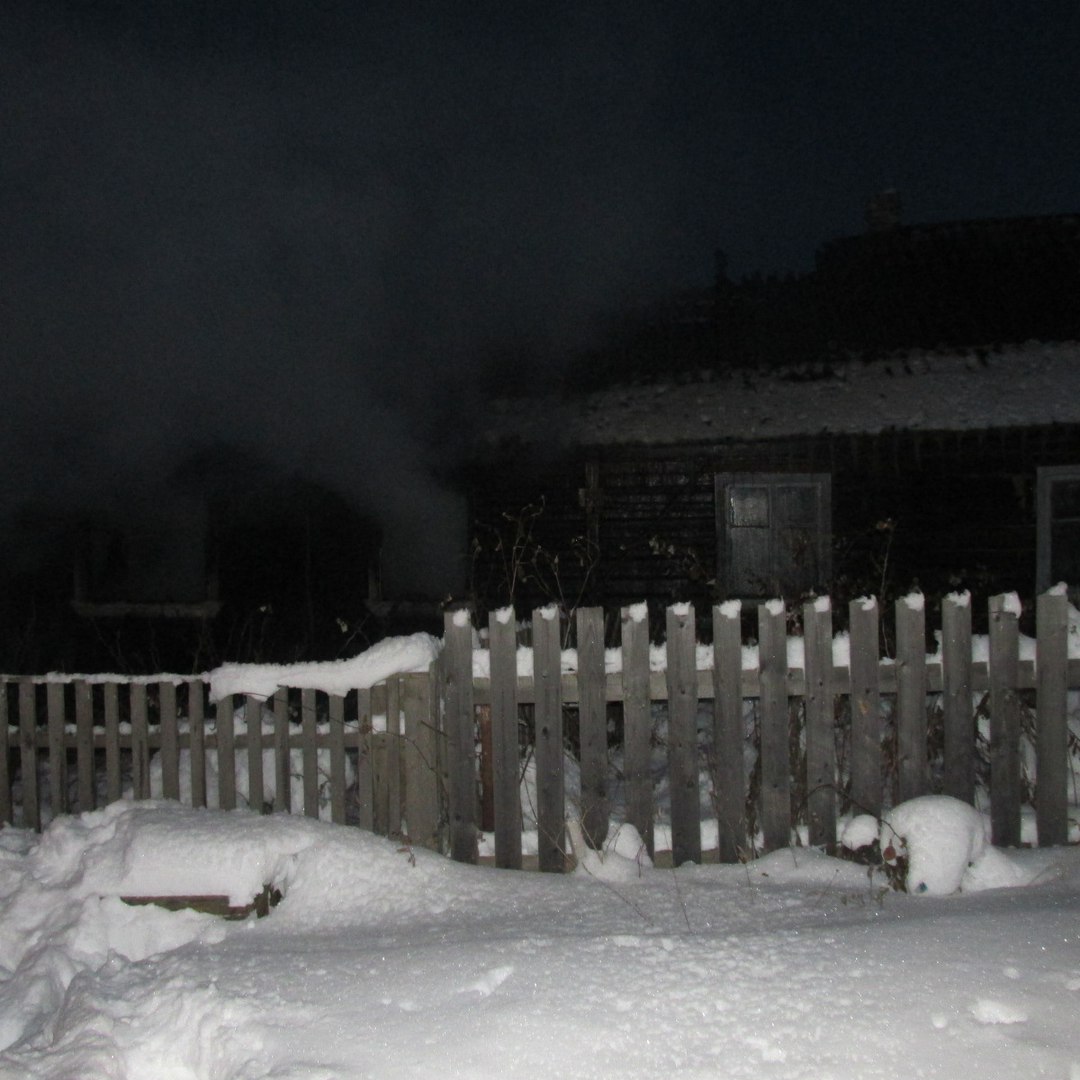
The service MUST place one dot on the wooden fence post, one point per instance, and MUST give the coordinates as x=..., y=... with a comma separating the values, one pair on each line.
x=225, y=731
x=6, y=807
x=956, y=702
x=28, y=754
x=504, y=720
x=365, y=769
x=550, y=778
x=866, y=793
x=460, y=724
x=592, y=725
x=84, y=742
x=420, y=754
x=309, y=752
x=168, y=725
x=729, y=736
x=820, y=724
x=336, y=718
x=1004, y=723
x=140, y=742
x=775, y=727
x=282, y=756
x=253, y=707
x=113, y=782
x=54, y=704
x=912, y=766
x=637, y=722
x=1051, y=718
x=683, y=772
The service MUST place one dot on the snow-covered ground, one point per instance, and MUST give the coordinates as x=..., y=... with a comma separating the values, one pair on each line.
x=386, y=962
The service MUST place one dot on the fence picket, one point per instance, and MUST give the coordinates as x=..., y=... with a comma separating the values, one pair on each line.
x=682, y=736
x=460, y=725
x=956, y=685
x=550, y=778
x=253, y=707
x=820, y=726
x=1004, y=724
x=197, y=740
x=502, y=633
x=1051, y=719
x=225, y=730
x=728, y=769
x=775, y=728
x=337, y=759
x=912, y=767
x=592, y=725
x=282, y=755
x=309, y=752
x=28, y=754
x=866, y=795
x=113, y=776
x=393, y=758
x=637, y=725
x=140, y=742
x=57, y=754
x=84, y=744
x=170, y=741
x=6, y=805
x=365, y=780
x=421, y=790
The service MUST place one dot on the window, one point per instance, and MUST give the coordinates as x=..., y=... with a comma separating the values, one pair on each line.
x=1058, y=541
x=774, y=533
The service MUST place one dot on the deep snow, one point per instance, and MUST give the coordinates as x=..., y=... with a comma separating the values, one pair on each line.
x=386, y=962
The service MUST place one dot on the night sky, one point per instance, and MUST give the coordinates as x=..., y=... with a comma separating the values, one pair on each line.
x=306, y=225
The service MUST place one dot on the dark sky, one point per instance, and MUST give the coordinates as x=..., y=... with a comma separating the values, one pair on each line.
x=298, y=224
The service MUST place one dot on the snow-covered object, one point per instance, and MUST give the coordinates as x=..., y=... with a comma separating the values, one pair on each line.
x=389, y=657
x=940, y=836
x=861, y=831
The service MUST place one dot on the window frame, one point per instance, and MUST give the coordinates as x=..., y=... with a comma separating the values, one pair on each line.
x=1045, y=478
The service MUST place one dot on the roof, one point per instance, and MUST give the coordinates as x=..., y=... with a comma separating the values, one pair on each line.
x=1014, y=386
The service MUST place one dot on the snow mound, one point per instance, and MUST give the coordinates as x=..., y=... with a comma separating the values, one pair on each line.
x=941, y=838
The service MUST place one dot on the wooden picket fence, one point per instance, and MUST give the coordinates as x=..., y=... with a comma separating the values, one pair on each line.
x=95, y=739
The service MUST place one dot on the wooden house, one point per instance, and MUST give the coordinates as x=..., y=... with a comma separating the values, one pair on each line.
x=857, y=429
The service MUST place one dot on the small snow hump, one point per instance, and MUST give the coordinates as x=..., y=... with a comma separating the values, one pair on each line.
x=940, y=837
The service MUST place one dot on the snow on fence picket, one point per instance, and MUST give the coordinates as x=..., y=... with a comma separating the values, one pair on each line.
x=325, y=749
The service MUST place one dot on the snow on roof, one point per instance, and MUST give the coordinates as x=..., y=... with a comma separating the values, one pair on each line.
x=1012, y=386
